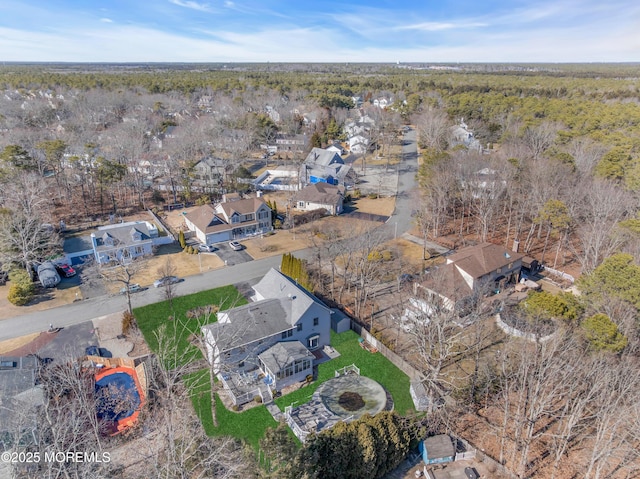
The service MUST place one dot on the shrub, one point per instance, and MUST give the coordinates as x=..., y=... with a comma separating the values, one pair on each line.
x=257, y=399
x=19, y=294
x=128, y=322
x=277, y=224
x=235, y=408
x=22, y=288
x=372, y=196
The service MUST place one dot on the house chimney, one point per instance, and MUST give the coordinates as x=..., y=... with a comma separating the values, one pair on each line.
x=516, y=245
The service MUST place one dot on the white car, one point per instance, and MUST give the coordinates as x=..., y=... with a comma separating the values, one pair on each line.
x=206, y=248
x=235, y=246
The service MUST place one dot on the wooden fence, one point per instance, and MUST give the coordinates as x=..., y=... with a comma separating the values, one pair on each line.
x=403, y=365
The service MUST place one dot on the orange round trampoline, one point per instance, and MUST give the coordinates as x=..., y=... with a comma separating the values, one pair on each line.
x=119, y=397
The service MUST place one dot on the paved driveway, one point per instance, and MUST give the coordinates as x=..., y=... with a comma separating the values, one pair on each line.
x=231, y=257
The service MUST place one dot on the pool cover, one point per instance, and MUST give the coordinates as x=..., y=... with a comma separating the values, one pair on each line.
x=117, y=396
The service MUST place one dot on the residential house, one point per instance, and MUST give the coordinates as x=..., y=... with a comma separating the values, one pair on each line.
x=20, y=396
x=211, y=171
x=272, y=113
x=336, y=147
x=274, y=336
x=292, y=142
x=469, y=272
x=230, y=220
x=358, y=144
x=324, y=166
x=123, y=241
x=382, y=102
x=484, y=183
x=321, y=196
x=461, y=135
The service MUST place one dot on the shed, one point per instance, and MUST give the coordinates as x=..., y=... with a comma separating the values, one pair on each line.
x=340, y=322
x=437, y=449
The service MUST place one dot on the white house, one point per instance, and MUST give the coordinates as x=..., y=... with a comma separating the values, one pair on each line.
x=275, y=335
x=123, y=241
x=230, y=220
x=321, y=195
x=358, y=144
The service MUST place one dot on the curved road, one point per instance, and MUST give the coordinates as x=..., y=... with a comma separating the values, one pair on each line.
x=86, y=310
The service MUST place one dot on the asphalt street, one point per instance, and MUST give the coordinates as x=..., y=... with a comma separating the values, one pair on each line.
x=88, y=309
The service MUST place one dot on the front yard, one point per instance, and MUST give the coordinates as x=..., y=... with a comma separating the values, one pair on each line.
x=180, y=324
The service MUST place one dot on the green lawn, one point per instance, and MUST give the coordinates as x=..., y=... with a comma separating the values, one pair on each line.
x=150, y=318
x=251, y=425
x=374, y=366
x=248, y=425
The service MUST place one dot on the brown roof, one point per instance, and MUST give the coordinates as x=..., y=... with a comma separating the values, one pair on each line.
x=242, y=207
x=206, y=219
x=449, y=282
x=202, y=217
x=321, y=193
x=482, y=259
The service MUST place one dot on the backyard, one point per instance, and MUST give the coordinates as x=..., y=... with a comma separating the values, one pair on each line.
x=182, y=323
x=251, y=425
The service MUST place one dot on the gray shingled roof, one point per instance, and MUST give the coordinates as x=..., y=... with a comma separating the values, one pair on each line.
x=17, y=376
x=319, y=157
x=251, y=322
x=122, y=235
x=274, y=284
x=284, y=353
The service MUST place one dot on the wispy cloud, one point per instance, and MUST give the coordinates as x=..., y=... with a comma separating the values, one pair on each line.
x=106, y=20
x=201, y=7
x=441, y=26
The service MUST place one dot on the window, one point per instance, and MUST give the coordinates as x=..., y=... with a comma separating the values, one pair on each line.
x=499, y=270
x=312, y=342
x=316, y=321
x=300, y=204
x=287, y=334
x=299, y=326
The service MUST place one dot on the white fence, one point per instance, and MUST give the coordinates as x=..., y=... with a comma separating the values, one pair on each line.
x=347, y=370
x=511, y=331
x=560, y=274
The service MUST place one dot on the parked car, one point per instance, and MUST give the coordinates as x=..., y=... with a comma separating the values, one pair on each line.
x=207, y=248
x=65, y=270
x=133, y=288
x=166, y=280
x=471, y=473
x=96, y=351
x=235, y=246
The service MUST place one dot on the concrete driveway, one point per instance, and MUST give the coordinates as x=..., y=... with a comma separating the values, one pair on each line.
x=231, y=257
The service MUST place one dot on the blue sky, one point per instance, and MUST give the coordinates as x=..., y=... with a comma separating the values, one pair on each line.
x=319, y=31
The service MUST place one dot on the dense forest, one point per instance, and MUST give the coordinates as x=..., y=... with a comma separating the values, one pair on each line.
x=555, y=168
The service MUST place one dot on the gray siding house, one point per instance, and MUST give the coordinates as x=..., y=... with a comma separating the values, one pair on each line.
x=270, y=335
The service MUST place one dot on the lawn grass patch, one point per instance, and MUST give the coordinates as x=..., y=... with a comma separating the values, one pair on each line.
x=249, y=425
x=374, y=366
x=150, y=318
